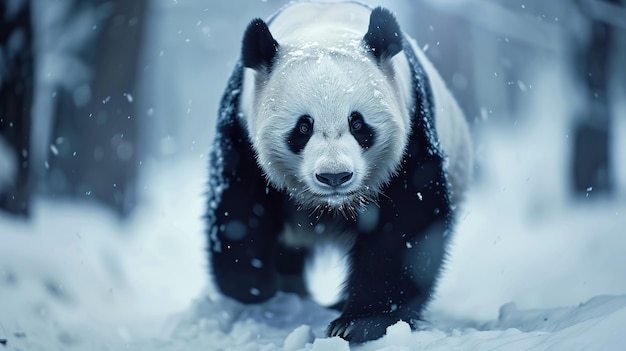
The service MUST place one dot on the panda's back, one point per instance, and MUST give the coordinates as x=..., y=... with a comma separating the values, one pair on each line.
x=321, y=23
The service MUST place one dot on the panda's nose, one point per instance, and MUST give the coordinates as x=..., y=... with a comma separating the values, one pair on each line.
x=334, y=179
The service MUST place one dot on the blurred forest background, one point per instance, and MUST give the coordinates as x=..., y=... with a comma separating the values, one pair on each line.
x=92, y=90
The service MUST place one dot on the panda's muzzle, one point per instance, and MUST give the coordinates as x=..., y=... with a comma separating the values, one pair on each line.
x=334, y=179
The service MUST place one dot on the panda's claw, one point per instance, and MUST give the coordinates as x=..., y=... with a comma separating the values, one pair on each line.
x=347, y=330
x=343, y=331
x=360, y=329
x=334, y=330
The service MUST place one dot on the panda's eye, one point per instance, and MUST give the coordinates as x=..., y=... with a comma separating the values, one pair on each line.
x=305, y=125
x=300, y=134
x=356, y=122
x=364, y=134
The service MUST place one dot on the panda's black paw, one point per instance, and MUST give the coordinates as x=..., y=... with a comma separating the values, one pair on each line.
x=360, y=329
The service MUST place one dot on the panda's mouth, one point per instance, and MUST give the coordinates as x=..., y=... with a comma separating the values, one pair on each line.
x=346, y=200
x=335, y=195
x=339, y=198
x=347, y=203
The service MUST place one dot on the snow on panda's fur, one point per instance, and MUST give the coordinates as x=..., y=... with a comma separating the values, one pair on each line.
x=335, y=126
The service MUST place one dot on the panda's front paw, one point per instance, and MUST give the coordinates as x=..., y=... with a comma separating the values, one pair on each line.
x=360, y=329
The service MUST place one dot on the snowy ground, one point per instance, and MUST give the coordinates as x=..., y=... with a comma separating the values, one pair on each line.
x=529, y=270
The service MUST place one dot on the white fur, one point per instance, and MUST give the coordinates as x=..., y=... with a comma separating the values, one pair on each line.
x=322, y=70
x=325, y=271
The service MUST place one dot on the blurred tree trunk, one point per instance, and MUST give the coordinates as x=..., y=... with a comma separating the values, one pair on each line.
x=591, y=164
x=94, y=151
x=16, y=95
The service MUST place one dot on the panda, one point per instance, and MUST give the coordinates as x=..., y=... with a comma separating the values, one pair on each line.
x=334, y=126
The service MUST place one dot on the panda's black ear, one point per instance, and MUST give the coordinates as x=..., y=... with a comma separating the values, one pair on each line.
x=383, y=38
x=259, y=47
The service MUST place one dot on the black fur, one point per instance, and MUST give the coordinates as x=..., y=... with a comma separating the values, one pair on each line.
x=296, y=139
x=365, y=134
x=259, y=48
x=394, y=265
x=383, y=37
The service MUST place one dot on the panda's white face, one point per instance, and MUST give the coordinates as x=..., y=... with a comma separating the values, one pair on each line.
x=328, y=127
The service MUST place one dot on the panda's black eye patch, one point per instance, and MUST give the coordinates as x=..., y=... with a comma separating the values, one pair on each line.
x=362, y=132
x=300, y=134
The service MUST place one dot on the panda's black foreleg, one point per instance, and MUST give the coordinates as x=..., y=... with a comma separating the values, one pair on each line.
x=244, y=217
x=243, y=239
x=392, y=279
x=243, y=242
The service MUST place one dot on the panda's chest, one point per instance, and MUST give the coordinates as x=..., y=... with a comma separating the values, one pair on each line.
x=304, y=230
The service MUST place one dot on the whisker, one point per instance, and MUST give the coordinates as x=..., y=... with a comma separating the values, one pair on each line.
x=348, y=206
x=382, y=193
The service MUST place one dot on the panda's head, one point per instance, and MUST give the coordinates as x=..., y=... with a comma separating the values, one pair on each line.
x=327, y=123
